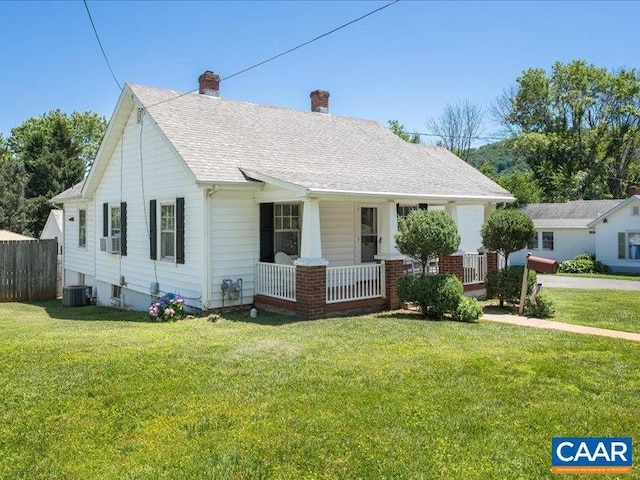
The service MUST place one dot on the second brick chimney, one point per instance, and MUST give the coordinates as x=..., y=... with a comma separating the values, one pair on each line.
x=633, y=191
x=320, y=101
x=209, y=83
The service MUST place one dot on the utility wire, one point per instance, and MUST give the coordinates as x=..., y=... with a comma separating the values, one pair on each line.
x=270, y=59
x=100, y=43
x=312, y=40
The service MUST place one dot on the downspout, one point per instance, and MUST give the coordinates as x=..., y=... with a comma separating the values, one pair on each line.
x=206, y=245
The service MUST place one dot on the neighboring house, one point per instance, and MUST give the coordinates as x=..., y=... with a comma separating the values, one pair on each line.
x=53, y=227
x=618, y=235
x=7, y=236
x=609, y=229
x=194, y=194
x=562, y=229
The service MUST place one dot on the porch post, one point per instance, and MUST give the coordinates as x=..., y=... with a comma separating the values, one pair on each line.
x=488, y=209
x=311, y=243
x=388, y=252
x=452, y=209
x=311, y=268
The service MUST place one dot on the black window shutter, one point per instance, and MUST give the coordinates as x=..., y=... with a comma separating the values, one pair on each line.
x=123, y=228
x=622, y=250
x=423, y=206
x=153, y=235
x=267, y=246
x=179, y=230
x=397, y=209
x=105, y=219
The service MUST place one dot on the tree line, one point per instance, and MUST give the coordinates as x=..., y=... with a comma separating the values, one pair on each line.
x=571, y=133
x=42, y=157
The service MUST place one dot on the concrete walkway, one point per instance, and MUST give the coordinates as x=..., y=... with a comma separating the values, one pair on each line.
x=586, y=283
x=496, y=316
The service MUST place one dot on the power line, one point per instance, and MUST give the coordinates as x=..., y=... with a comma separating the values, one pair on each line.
x=312, y=40
x=270, y=59
x=455, y=136
x=100, y=43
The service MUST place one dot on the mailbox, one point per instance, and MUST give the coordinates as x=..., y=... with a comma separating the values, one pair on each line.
x=542, y=265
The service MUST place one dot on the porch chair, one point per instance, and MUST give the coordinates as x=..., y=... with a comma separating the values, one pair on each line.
x=283, y=259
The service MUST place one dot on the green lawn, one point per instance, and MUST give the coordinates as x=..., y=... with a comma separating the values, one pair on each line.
x=85, y=394
x=611, y=309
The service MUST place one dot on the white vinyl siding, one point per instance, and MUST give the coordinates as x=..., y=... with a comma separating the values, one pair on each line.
x=609, y=241
x=469, y=219
x=337, y=224
x=235, y=242
x=567, y=243
x=122, y=181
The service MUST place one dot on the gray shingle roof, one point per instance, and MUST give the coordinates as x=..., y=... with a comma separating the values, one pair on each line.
x=574, y=214
x=69, y=193
x=220, y=138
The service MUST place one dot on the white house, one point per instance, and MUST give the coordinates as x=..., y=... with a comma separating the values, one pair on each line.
x=53, y=227
x=562, y=229
x=618, y=235
x=194, y=194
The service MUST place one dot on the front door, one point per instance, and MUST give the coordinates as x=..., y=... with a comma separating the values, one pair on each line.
x=368, y=234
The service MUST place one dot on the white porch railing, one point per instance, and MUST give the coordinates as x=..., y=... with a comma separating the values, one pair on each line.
x=275, y=280
x=475, y=267
x=355, y=282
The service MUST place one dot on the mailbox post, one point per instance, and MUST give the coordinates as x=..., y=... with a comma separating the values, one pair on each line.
x=539, y=265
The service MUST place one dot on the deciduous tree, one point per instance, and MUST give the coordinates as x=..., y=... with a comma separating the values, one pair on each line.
x=578, y=128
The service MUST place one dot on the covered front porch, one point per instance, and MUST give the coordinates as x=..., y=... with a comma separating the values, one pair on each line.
x=324, y=255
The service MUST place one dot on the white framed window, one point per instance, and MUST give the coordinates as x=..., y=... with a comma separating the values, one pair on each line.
x=404, y=210
x=635, y=211
x=533, y=243
x=82, y=228
x=167, y=231
x=116, y=223
x=547, y=240
x=116, y=291
x=629, y=245
x=286, y=230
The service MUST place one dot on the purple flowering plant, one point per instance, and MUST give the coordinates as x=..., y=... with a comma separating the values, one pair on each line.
x=167, y=308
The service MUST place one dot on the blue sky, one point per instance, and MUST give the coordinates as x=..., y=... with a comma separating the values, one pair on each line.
x=405, y=62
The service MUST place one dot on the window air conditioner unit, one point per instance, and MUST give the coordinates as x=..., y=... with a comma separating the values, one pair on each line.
x=110, y=244
x=114, y=245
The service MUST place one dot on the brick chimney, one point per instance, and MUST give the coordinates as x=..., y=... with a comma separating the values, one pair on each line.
x=209, y=84
x=633, y=191
x=320, y=101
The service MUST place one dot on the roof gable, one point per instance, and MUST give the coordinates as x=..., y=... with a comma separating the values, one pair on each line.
x=621, y=205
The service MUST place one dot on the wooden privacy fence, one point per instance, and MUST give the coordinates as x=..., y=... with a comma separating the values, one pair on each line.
x=28, y=270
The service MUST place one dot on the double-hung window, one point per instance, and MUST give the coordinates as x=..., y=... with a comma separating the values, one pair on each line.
x=629, y=245
x=287, y=228
x=547, y=240
x=533, y=242
x=167, y=231
x=82, y=228
x=116, y=228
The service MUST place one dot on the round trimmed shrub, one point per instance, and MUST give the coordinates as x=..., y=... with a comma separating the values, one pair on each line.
x=434, y=294
x=469, y=310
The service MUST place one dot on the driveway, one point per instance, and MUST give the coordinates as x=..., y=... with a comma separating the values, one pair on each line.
x=561, y=281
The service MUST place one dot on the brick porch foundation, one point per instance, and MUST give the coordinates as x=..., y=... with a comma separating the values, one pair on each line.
x=311, y=292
